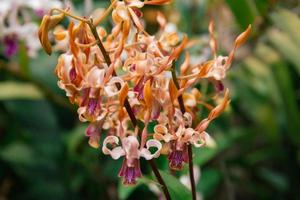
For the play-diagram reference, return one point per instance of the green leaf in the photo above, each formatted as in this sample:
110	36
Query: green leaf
209	181
203	155
18	154
261	81
263	6
289	49
275	179
289	99
287	22
42	68
125	191
74	138
177	190
243	10
19	90
37	116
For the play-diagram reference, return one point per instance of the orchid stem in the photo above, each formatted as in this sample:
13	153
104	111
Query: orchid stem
128	107
180	99
191	171
160	179
106	12
190	149
108	62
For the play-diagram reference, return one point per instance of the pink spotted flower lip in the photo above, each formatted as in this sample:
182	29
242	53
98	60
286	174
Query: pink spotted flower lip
131	151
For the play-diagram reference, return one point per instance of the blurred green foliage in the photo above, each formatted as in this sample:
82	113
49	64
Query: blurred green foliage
44	153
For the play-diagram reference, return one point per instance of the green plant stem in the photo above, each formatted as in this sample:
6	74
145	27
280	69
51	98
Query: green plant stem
190	149
159	179
128	108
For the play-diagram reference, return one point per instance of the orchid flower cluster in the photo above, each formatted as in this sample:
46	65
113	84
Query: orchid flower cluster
122	76
17	24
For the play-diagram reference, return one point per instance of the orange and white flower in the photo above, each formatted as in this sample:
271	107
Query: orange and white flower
132	152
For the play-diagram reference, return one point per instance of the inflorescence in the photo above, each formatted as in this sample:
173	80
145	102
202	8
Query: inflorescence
124	76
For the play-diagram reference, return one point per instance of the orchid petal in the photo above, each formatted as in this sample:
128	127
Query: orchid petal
213	42
147	154
188	119
196	140
111	88
120	13
180	131
161	133
189	99
203	125
123	93
136	20
148	94
157	2
131	147
94	136
172	91
241	39
134	3
220	108
116	152
209	141
43	34
81	111
161	19
94	141
188	133
94	78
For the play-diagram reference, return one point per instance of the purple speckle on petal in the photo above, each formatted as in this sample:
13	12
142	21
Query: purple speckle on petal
92	106
132	67
219	86
129	177
177	159
72	74
91	130
85	96
130	173
139	88
156	111
11	45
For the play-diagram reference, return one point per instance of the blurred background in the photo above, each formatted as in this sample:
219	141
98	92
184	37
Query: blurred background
43	150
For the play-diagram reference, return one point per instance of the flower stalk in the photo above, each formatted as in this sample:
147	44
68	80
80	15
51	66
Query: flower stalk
108	62
190	149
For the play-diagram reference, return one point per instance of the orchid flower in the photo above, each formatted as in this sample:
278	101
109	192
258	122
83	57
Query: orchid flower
127	11
180	134
14	30
221	64
178	139
130	149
